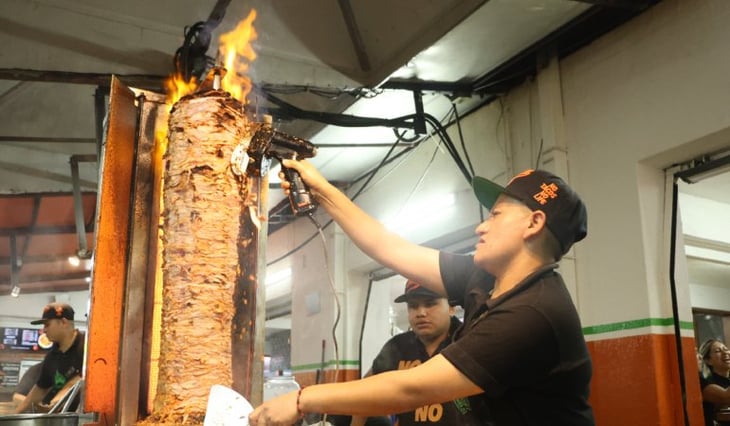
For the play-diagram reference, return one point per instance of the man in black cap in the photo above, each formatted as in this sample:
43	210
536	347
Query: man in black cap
521	349
63	364
432	323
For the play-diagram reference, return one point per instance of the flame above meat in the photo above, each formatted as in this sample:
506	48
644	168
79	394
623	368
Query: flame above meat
236	54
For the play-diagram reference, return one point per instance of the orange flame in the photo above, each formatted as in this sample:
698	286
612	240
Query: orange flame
177	87
238	53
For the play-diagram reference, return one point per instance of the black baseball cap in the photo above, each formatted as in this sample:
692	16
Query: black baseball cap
414	289
565	213
55	311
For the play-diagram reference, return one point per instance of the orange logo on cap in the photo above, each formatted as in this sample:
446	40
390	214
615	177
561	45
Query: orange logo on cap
59	311
548	191
523	174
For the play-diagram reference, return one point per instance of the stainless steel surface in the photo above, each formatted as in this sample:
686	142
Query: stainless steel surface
63	419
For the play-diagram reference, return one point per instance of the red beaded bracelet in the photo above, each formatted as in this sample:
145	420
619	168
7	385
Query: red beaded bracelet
299	410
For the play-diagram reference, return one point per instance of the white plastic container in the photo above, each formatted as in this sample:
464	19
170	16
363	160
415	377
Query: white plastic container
279	385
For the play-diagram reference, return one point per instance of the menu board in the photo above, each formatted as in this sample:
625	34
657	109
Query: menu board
11	373
23	339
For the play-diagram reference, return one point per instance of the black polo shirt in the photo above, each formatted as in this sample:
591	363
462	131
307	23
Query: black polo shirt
525	348
59	367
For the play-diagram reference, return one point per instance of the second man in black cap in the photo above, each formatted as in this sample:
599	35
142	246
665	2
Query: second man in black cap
432	324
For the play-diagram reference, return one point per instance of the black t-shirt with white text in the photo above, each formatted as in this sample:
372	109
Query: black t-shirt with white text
404	351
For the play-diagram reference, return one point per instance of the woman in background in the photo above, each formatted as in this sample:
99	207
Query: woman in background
714	380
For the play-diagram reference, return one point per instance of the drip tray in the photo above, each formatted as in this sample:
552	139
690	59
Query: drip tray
61	419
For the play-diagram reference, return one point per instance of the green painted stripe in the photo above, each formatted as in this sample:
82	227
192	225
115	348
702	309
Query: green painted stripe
633	324
330	363
595	329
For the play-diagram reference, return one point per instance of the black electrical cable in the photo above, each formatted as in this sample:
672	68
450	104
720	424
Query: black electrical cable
539	154
376	169
367	176
341	120
402	137
362	325
353	121
441	131
414	190
457	120
675	303
435	124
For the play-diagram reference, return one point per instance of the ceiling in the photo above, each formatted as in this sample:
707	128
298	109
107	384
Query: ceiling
316	60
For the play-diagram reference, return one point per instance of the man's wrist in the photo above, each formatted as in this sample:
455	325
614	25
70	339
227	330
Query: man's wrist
300	412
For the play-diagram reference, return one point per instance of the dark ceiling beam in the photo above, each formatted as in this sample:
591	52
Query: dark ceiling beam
43	174
457	89
47	194
355	36
33	221
43	230
623	4
45	139
29	260
31	279
142	81
48	287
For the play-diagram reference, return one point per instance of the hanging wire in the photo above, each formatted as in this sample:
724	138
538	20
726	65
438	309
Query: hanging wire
461	137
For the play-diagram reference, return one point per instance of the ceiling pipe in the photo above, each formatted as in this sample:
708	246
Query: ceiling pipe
83	251
45	139
14	267
100	112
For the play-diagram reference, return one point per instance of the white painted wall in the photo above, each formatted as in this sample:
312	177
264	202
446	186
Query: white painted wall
637	101
703	218
19	311
707	219
708	297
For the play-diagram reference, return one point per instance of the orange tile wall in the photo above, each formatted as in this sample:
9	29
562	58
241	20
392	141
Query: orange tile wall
636	381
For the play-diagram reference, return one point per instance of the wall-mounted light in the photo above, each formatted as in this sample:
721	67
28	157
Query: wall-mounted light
15	292
74	260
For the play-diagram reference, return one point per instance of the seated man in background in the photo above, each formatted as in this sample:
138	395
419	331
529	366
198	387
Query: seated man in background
432	325
26	383
63	364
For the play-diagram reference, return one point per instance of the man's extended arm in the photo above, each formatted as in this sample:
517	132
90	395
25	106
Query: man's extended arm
35	396
408	259
436	380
